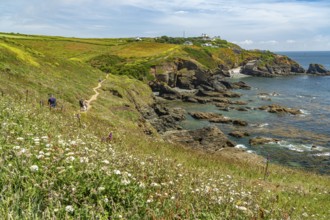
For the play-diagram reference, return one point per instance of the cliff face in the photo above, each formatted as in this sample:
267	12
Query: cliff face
190	74
280	66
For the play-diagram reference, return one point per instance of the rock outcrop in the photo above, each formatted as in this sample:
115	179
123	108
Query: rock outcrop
209	138
211	117
317	69
280	66
274	108
239	134
262	140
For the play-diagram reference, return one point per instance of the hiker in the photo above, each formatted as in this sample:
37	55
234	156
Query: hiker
52	101
109	136
83	104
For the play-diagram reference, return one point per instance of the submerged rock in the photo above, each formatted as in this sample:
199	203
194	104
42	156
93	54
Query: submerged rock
239	134
262	140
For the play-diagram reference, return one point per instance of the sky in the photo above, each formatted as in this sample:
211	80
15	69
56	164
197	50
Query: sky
275	25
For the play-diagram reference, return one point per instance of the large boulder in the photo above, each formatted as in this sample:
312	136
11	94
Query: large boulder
317	69
209	138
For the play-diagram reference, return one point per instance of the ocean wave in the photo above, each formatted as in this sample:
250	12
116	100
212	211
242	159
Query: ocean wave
261	125
326	154
299	147
304	112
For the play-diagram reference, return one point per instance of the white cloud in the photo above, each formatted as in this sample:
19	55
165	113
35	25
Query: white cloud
269	42
246	42
290	41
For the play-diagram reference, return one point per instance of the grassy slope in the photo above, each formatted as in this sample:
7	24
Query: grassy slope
157	180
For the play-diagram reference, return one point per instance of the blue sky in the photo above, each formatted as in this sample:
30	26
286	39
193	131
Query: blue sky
274	25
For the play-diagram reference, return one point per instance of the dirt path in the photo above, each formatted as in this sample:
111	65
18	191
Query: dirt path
94	97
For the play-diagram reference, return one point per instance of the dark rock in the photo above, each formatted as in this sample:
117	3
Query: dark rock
237	103
231	94
317	69
189	99
227	84
168	93
211	117
240	122
209	138
209	93
239	134
262	140
280	109
204	115
280	66
242	109
241	85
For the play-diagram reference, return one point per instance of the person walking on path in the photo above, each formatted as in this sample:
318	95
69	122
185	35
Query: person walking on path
83	105
52	101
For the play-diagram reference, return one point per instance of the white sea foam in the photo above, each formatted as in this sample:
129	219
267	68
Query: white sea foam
260	125
304	112
326	154
299	147
240	146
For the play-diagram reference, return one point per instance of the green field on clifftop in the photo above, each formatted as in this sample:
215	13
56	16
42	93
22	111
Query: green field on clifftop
54	164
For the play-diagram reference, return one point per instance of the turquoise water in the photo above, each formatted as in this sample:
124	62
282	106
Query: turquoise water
310	94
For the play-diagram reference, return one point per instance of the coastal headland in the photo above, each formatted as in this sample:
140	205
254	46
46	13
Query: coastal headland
60	162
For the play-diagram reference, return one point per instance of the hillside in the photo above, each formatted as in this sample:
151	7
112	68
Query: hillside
54	164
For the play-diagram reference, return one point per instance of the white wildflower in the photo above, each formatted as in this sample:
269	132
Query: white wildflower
242	208
48	145
17	147
142	163
70	159
105	162
150	200
44	137
69	208
154	184
173	197
305	214
34	168
125	181
106	200
84	160
100	189
117	172
20	139
142	185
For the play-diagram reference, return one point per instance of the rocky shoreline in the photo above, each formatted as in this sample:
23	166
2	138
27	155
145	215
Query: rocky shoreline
203	88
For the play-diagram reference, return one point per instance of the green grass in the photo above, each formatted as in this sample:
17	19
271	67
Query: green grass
135	176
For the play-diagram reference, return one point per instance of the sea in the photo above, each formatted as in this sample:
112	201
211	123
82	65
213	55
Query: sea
304	140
